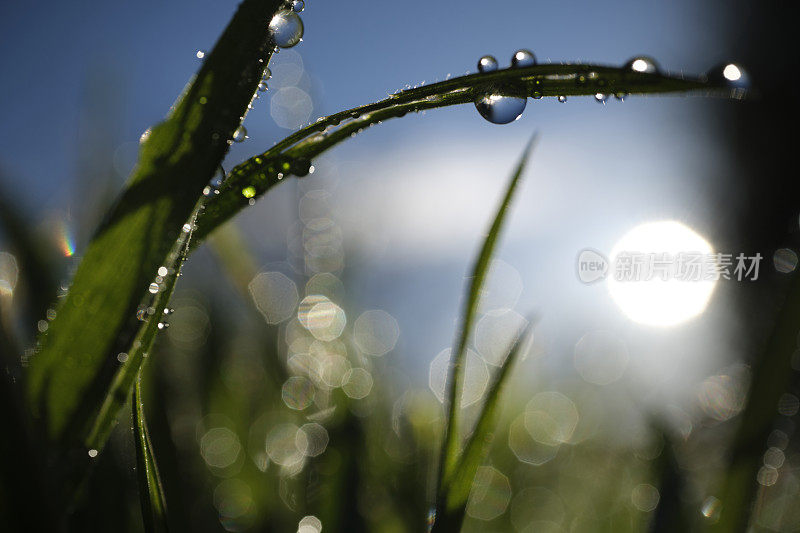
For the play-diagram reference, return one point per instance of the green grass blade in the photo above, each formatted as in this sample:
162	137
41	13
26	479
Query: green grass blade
73	381
453	496
151	493
450	445
256	175
151	315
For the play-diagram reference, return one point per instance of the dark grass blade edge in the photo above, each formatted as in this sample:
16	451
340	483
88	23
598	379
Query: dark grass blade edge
772	375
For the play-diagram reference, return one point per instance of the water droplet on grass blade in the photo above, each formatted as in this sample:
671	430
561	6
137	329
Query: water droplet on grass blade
487	64
601	98
523	58
730	75
286	28
500	109
562	98
643	64
298	6
240	134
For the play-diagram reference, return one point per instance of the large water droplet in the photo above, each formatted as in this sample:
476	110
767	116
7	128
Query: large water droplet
286	28
487	64
643	64
730	75
500	109
523	58
240	134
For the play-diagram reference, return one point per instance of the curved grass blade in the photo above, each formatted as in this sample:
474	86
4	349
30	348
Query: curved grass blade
74	380
255	176
455	381
151	493
452	498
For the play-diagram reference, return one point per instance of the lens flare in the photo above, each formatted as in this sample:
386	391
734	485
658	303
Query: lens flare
66	240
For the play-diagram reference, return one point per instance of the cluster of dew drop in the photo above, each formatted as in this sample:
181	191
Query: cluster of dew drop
286	29
500	108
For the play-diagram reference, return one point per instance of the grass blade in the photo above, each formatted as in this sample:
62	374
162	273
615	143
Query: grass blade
453	497
292	155
151	493
150	313
73	380
450	445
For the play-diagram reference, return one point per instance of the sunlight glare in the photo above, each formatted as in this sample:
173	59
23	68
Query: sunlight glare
656	301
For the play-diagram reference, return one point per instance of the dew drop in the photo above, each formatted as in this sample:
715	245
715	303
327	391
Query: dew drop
523	58
600	98
562	98
200	54
298	6
240	134
487	64
642	64
729	74
286	28
499	109
621	96
262	86
144	136
93	453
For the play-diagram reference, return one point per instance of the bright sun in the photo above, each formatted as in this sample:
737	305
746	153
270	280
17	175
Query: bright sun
656	301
